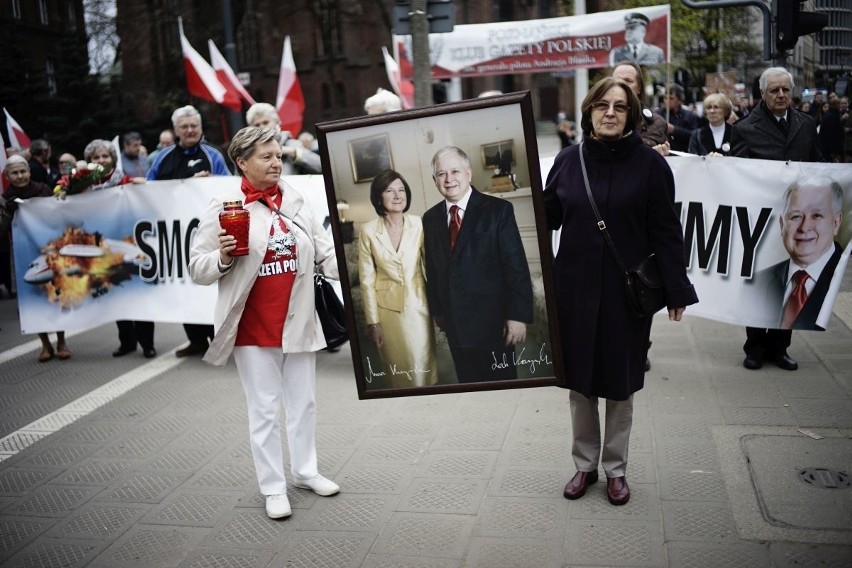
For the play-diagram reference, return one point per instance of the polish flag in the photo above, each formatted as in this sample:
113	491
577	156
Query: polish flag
228	78
201	79
290	101
4	181
116	145
403	89
17	137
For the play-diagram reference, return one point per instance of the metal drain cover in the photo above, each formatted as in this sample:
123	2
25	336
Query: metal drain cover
791	492
825	478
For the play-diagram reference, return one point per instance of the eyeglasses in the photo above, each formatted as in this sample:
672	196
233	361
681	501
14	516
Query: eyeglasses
602	106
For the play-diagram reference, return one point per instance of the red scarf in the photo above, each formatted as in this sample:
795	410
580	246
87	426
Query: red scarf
252	193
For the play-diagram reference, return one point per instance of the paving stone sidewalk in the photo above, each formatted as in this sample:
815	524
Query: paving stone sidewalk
162	475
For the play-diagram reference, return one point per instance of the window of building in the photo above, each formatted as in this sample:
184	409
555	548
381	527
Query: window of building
42	12
72	17
50	71
248	40
329	34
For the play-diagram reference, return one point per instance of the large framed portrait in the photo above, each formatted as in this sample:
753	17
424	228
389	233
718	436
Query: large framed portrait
447	281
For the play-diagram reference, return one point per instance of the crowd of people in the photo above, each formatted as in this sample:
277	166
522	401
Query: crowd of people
181	152
423	274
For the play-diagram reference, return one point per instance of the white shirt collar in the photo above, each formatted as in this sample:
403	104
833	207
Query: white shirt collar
462	203
814	269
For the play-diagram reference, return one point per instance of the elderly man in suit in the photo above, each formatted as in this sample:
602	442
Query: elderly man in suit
477	276
774	131
796	288
636	50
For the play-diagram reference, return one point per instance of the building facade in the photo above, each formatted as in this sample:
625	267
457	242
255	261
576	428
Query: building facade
36	37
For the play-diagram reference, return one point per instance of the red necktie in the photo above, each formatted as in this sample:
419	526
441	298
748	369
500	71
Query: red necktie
455	225
797	299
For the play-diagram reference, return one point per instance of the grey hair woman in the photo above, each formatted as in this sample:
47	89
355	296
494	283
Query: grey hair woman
265	312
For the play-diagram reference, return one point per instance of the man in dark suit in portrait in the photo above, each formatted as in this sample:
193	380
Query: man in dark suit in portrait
636	50
796	288
477	276
774	131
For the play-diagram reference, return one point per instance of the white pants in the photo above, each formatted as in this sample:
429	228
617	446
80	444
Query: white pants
585	422
270	378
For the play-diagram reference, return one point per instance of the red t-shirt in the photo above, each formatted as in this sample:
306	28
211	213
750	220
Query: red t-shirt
262	322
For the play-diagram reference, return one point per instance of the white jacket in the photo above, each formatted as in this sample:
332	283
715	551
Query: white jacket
302	329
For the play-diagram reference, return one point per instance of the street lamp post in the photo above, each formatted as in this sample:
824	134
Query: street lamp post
420	53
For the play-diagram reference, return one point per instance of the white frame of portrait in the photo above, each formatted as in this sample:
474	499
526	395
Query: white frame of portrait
415	135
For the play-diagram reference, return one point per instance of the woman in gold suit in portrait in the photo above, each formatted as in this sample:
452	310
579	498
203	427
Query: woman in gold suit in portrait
391	271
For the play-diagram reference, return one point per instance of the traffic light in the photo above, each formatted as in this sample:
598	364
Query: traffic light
791	23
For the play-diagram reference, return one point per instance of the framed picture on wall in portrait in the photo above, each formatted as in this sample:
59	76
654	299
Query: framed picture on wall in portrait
369	156
447	274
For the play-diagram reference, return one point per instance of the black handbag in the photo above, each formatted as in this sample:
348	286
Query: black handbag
643	284
331	312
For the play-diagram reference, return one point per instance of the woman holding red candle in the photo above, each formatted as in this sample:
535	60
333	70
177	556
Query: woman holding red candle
265	312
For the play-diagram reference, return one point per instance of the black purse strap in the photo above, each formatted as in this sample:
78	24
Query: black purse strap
601	225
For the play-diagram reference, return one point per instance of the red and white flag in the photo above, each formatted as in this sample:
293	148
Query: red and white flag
290	101
227	77
201	80
17	137
404	89
4	181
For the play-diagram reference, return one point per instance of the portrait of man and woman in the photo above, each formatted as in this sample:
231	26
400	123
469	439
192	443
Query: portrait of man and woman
441	280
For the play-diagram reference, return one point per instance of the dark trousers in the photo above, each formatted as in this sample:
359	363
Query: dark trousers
198	333
480	364
767	342
132	332
6	270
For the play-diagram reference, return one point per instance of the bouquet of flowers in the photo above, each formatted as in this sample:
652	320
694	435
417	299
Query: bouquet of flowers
80	179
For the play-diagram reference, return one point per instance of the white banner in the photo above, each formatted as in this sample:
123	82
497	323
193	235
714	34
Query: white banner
739	251
547	45
120	253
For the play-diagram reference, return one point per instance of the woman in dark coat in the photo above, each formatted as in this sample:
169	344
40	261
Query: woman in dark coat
604	344
713	139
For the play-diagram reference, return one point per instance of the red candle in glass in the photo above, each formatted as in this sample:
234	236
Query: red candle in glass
235	220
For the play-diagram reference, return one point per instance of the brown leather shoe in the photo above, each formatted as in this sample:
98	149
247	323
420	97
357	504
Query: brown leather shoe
617	490
576	488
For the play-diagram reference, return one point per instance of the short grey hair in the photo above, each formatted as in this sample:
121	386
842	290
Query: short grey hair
383	101
39	147
99	144
246	141
16	159
262	109
131	137
185	112
449	150
818	181
772	71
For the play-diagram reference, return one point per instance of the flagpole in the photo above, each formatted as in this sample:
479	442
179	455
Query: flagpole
235	119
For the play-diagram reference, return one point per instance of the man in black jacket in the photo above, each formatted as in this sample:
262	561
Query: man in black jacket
477	275
774	131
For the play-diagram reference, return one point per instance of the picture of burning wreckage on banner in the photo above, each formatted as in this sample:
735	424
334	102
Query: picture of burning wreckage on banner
78	265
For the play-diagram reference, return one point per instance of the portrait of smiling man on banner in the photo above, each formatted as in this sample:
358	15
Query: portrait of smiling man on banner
793	291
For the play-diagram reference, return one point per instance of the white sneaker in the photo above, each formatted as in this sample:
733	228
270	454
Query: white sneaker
319	485
277	507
